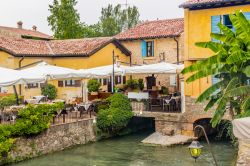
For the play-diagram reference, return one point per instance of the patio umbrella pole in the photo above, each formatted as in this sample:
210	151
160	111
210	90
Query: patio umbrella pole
16	95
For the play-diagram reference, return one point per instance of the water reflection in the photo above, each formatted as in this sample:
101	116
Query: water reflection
128	151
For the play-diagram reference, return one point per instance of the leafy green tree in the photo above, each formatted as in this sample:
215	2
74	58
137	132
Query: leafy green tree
50	91
230	63
65	20
114	20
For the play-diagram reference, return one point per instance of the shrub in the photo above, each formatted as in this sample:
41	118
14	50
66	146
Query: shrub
50	91
140	84
117	116
7	101
132	83
93	85
32	120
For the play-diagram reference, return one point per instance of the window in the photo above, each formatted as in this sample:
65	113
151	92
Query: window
172	80
124	80
118	80
32	85
105	81
147	48
150	49
73	83
227	21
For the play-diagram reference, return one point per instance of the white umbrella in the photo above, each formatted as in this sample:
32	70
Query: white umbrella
157	68
103	71
52	72
10	77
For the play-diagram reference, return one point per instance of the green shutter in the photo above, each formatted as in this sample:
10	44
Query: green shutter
144	49
215	20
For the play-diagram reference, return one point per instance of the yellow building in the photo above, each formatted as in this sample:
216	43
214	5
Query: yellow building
201	18
76	54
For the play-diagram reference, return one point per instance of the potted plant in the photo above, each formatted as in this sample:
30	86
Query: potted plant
93	86
140	84
131	84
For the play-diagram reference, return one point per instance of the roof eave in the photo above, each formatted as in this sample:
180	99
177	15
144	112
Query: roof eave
208	5
149	37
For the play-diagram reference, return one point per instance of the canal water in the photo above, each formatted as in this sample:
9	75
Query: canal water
128	151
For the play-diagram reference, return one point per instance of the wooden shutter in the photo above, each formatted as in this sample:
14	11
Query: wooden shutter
247	15
124	80
215	20
144	49
60	83
153	48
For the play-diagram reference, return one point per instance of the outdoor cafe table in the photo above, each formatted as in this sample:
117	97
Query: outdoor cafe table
85	105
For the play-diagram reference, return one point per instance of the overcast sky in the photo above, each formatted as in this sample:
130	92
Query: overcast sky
35	12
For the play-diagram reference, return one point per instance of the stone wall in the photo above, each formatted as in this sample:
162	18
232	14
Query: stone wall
56	138
244	153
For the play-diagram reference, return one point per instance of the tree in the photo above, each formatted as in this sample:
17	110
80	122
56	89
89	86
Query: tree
230	63
65	20
114	20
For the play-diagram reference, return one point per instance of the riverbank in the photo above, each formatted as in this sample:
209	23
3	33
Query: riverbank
56	138
129	151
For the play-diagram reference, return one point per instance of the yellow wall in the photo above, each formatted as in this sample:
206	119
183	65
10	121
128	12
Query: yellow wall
101	58
198	29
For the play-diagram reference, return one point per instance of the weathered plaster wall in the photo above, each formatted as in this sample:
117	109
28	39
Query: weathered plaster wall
56	138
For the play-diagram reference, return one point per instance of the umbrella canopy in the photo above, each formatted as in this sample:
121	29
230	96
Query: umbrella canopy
52	72
241	128
103	71
157	68
10	77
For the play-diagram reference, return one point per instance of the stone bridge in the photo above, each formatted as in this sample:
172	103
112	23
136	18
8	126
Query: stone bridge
176	123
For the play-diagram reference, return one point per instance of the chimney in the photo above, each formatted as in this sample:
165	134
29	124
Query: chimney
20	24
34	28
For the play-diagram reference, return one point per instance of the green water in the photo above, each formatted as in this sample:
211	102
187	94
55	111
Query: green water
128	151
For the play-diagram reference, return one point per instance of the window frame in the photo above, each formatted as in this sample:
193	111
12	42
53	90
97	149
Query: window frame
150	49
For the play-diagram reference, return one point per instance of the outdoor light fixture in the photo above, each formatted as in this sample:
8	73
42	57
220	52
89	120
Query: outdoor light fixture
195	149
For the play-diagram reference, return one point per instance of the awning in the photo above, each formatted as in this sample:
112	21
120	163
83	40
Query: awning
52	72
157	68
10	77
103	71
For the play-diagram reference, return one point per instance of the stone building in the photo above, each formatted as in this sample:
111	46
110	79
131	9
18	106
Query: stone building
156	41
20	32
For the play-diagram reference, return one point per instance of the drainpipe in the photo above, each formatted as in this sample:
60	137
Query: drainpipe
178	61
20	65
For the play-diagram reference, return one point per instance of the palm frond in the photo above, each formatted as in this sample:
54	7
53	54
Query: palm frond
239	91
214	46
210	104
246	103
207	93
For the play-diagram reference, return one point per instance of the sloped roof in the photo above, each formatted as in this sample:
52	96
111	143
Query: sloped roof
154	29
25	32
199	4
57	48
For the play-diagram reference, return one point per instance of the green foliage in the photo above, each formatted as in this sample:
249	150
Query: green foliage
132	83
117	116
65	20
7	101
140	84
230	63
50	91
32	120
93	85
114	19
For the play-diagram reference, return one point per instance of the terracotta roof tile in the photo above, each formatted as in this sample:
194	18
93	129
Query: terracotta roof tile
25	32
203	3
74	47
154	29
